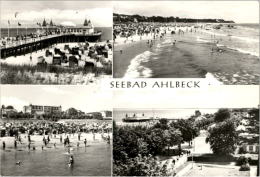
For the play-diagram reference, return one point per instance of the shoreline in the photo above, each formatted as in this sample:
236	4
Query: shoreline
227	66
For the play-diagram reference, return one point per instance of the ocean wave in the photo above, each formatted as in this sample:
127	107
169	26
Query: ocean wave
240	50
202	40
135	69
247	39
212	79
245	51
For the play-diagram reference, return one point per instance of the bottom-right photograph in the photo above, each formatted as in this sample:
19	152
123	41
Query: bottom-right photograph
186	142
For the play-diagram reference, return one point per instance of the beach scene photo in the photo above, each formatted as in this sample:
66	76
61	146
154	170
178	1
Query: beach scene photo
55	43
217	40
55	131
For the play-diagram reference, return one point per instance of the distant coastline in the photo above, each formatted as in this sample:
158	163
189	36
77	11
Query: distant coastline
119	18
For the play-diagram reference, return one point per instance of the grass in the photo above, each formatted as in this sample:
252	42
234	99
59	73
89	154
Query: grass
27	74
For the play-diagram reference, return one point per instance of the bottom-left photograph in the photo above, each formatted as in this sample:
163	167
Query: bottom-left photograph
55	131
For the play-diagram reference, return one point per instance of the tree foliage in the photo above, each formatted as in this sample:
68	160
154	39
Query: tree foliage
223	138
222	115
134	148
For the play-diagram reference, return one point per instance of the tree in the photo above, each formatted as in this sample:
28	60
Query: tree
9	107
155	140
140	166
187	128
162	124
222	115
72	112
223	138
172	137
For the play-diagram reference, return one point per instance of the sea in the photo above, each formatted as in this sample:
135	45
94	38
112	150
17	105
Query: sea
106	32
119	114
93	160
191	56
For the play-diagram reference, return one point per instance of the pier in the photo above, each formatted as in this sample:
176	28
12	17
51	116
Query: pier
36	44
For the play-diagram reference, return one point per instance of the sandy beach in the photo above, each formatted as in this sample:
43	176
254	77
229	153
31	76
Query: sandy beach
68	76
195	55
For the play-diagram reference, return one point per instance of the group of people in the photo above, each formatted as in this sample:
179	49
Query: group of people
42	127
51	132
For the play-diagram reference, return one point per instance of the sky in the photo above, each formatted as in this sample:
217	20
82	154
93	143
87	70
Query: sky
238	11
223	96
84	98
31	12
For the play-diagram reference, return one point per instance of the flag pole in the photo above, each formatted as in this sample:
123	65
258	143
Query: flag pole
17	28
8	29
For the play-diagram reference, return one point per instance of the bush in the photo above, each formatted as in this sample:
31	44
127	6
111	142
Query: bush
242	160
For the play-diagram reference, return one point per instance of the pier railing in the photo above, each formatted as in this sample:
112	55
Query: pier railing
22	47
14	43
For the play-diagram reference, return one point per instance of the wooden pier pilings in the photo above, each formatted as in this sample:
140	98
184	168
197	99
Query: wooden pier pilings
29	47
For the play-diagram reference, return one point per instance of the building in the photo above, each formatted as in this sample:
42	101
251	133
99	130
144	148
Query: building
39	109
106	115
86	28
250	148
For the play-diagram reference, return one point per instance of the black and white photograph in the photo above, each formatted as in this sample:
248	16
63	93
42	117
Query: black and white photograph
55	131
215	40
218	139
55	42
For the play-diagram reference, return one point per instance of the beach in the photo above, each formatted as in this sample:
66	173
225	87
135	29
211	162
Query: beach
67	75
198	53
52	159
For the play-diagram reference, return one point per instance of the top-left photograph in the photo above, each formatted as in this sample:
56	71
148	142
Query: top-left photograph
49	42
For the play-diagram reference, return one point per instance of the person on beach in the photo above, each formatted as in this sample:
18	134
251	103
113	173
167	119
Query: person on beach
108	139
54	145
29	146
15	144
29	138
60	139
45	142
48	138
79	136
42	148
85	142
3	145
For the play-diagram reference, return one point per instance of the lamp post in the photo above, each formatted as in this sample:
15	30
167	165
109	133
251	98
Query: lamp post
192	149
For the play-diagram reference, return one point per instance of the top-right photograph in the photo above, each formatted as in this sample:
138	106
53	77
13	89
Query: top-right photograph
215	40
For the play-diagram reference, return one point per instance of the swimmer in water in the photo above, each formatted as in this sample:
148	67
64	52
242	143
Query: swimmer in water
3	145
71	161
18	163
